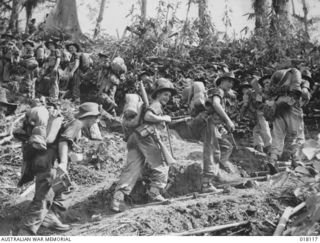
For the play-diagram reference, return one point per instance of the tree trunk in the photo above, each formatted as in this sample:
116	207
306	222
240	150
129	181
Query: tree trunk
143	10
261	14
14	18
205	26
28	18
281	20
64	19
305	18
100	18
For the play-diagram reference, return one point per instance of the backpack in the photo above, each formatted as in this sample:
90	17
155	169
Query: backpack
197	98
132	113
85	62
118	65
43	126
40	53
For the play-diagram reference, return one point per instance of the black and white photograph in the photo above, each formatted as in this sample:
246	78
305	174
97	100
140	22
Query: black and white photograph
159	118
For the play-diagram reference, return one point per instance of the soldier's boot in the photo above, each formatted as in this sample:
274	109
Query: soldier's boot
273	165
51	221
259	148
155	195
117	203
267	149
207	186
295	162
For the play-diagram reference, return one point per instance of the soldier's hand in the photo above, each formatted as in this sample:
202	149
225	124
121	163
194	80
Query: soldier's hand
166	118
231	126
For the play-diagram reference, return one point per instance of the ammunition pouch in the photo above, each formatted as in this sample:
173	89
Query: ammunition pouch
269	112
107	102
61	182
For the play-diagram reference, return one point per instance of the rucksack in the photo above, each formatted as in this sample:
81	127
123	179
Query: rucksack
85	62
43	125
40	53
132	112
118	65
197	98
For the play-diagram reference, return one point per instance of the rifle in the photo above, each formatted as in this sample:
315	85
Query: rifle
179	119
233	141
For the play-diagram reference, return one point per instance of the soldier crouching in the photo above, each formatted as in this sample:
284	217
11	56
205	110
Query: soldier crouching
143	147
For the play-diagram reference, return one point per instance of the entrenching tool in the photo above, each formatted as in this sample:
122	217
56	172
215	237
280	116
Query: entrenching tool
169	139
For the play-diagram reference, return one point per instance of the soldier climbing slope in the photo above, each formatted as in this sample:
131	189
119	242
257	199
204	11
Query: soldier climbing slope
292	92
73	71
30	63
216	148
110	80
51	66
9	55
143	147
252	100
48	164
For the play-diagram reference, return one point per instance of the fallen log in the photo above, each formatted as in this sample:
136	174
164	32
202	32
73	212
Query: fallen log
266	172
31	188
288	212
244	180
283	221
298	208
177	199
211	229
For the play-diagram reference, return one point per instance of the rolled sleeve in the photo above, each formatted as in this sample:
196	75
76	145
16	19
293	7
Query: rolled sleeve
71	132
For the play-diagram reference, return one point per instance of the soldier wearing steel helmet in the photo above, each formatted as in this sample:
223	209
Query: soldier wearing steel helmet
143	147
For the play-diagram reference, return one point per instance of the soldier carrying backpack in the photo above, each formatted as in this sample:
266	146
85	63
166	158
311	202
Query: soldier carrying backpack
290	91
49	166
145	146
110	81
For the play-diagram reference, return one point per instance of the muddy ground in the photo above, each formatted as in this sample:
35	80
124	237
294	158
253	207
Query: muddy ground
89	214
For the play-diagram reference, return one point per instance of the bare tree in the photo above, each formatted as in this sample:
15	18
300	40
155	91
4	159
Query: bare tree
64	18
100	18
261	14
281	19
205	26
143	9
29	6
303	19
14	18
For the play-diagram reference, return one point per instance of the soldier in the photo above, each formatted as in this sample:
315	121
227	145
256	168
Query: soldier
292	91
6	108
9	54
262	129
109	84
52	181
251	108
143	147
72	68
51	68
30	63
216	148
32	28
